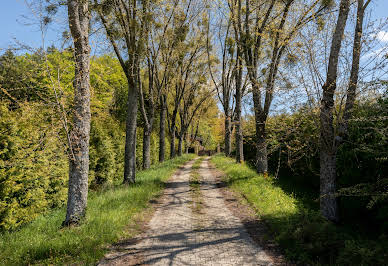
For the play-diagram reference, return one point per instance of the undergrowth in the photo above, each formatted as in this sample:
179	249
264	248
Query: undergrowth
304	235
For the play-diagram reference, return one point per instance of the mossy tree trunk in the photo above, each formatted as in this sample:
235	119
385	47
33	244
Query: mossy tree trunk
239	95
328	142
130	138
162	129
79	18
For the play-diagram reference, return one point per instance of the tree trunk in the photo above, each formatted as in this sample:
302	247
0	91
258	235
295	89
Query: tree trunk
187	145
228	135
261	143
172	144
328	200
162	130
147	148
130	140
187	141
261	149
328	143
352	87
180	146
239	129
79	139
239	139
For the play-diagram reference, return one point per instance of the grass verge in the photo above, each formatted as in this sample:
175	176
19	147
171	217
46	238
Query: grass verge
108	215
304	235
195	186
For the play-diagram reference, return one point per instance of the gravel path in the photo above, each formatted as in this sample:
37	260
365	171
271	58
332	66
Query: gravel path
181	232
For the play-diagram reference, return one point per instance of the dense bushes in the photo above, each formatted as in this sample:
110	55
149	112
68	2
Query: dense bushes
107	140
33	146
362	167
33	165
362	160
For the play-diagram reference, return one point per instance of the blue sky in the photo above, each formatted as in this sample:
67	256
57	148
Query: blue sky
14	14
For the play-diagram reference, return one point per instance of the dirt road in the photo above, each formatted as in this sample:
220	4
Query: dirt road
192	226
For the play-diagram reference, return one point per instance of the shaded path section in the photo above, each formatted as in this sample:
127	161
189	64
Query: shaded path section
181	235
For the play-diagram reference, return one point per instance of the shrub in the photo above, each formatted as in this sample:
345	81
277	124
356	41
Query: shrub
33	165
106	150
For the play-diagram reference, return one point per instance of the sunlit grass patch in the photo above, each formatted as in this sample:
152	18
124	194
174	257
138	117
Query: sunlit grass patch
197	164
109	212
270	201
195	178
196	195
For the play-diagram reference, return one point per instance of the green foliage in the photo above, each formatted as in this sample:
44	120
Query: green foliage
109	213
33	165
106	151
22	76
33	159
361	160
304	235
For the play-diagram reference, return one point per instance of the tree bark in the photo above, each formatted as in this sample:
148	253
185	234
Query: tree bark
187	141
328	145
148	120
172	129
172	144
328	200
130	139
357	45
147	148
228	135
180	146
239	132
162	130
79	17
239	129
261	143
261	149
134	36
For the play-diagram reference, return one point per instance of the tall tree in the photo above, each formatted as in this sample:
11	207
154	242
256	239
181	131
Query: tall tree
125	23
188	57
267	25
328	203
331	138
160	48
185	69
238	75
162	127
224	84
147	108
79	18
193	102
354	73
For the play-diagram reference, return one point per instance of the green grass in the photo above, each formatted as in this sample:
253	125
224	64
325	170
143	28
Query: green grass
197	164
196	195
195	178
109	215
304	235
